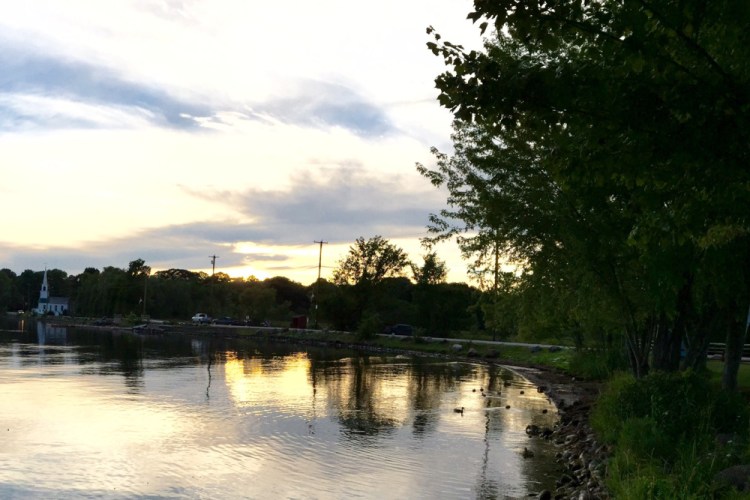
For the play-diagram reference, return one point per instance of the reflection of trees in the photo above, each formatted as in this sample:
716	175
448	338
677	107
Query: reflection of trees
358	388
357	406
487	488
426	384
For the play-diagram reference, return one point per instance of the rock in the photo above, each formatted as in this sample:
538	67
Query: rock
564	479
545	495
472	353
492	354
554	348
737	476
457	347
535	349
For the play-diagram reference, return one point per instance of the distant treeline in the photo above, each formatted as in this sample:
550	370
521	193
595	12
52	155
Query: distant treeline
177	294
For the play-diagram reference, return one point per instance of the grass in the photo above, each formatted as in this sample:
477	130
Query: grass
523	356
716	368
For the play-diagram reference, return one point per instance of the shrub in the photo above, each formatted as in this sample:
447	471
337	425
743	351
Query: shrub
370	326
664	428
598	364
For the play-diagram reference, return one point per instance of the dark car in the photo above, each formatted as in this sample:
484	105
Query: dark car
227	320
400	329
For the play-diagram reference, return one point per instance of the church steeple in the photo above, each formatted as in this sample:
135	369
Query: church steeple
44	292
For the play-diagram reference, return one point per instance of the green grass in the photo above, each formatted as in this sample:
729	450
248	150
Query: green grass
560	360
716	368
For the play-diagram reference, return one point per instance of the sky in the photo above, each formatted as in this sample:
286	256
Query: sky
176	130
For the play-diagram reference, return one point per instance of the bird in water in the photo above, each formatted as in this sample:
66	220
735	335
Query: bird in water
459	410
527	453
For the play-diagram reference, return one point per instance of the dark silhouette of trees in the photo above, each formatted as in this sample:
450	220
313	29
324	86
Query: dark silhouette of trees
602	148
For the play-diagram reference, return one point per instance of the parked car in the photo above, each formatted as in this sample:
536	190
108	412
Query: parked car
227	320
400	329
201	318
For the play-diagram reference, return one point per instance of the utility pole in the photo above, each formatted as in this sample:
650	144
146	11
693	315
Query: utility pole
317	283
213	270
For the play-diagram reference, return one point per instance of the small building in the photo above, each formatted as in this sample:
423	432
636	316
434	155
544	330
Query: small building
57	306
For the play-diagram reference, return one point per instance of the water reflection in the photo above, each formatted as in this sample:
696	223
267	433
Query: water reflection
173	416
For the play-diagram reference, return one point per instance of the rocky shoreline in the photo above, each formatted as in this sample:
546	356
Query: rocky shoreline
584	460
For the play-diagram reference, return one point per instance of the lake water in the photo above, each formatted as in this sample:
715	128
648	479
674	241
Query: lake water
97	414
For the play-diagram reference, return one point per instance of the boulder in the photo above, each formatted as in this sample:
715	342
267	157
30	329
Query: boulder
737	476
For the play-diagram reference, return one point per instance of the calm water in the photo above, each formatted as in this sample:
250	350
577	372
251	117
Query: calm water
117	415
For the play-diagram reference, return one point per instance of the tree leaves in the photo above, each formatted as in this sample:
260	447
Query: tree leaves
607	137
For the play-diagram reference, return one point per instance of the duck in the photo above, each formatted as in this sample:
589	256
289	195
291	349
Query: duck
459	410
527	453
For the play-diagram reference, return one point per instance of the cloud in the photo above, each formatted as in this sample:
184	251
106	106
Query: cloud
336	203
47	92
316	103
40	91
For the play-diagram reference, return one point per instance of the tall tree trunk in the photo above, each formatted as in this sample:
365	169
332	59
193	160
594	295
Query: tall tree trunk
733	353
667	340
638	351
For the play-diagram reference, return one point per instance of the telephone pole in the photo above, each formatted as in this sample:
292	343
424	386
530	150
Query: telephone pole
213	270
317	283
213	263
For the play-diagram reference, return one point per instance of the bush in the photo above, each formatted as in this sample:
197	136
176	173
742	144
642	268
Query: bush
598	364
370	326
664	429
680	404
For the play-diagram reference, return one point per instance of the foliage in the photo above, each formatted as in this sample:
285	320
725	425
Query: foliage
177	294
598	363
431	272
604	145
369	262
664	429
676	404
6	287
370	326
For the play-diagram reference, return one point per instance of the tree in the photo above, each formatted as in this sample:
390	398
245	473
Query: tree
257	301
369	262
6	292
291	292
605	144
432	271
366	266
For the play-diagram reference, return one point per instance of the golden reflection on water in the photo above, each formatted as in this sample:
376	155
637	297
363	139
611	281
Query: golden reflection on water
266	425
255	380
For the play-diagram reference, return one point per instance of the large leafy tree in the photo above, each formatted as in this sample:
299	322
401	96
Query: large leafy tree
363	271
370	261
605	144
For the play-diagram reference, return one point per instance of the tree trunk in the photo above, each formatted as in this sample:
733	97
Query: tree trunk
733	354
637	355
667	341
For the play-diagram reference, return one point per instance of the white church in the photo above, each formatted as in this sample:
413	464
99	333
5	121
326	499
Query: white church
51	305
